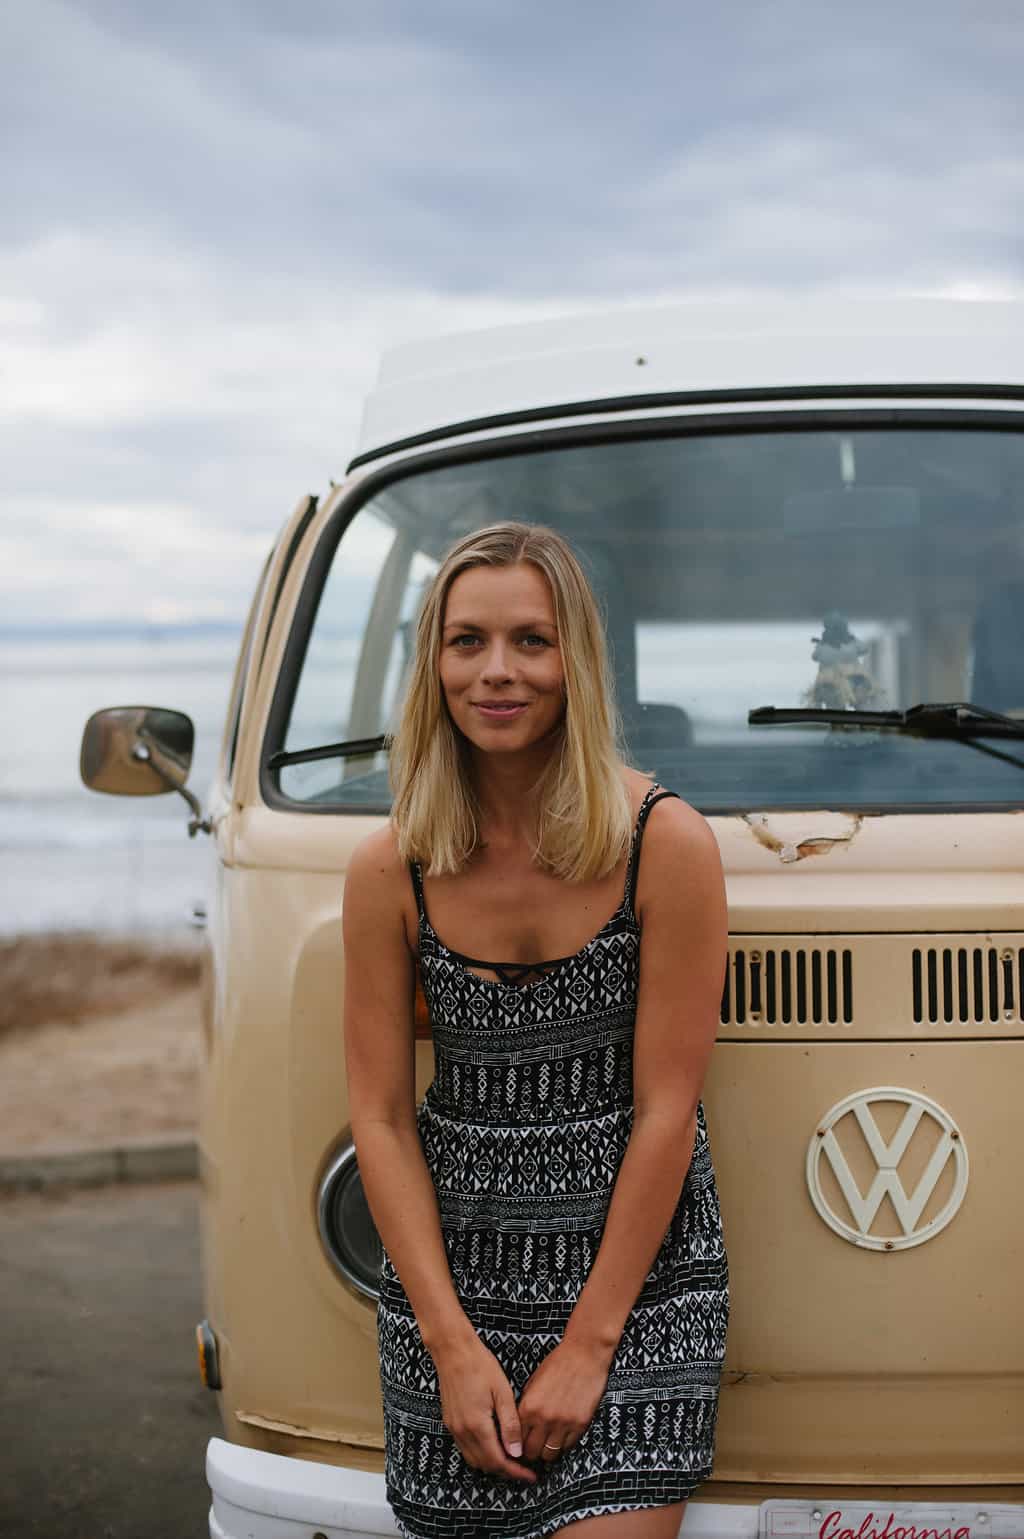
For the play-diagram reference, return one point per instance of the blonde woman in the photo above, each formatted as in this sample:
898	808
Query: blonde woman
554	1287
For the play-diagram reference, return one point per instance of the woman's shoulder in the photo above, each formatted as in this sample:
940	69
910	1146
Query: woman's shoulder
378	897
681	829
375	864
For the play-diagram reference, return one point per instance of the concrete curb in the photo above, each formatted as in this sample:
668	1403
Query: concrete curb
166	1159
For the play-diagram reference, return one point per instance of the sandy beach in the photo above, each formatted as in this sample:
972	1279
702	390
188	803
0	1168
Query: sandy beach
99	1040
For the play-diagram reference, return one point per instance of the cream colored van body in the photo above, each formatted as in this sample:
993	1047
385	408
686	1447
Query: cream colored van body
875	1362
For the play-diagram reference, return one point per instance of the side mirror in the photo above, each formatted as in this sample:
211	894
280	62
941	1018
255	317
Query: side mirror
140	750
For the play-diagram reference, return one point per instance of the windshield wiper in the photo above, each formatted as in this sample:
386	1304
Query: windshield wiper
355	748
939	719
959	721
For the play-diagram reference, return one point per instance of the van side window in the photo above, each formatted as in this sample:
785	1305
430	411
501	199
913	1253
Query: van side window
357	656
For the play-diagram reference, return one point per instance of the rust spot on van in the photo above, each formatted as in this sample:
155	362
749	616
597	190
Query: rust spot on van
352	1437
820	844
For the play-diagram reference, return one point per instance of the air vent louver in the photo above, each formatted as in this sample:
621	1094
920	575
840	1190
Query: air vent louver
788	985
966	984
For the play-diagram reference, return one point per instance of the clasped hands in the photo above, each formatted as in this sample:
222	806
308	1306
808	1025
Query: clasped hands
555	1408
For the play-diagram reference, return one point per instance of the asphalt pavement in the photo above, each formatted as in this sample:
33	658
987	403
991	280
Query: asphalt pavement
104	1419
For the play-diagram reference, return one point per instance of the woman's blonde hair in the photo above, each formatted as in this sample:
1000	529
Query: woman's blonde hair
585	816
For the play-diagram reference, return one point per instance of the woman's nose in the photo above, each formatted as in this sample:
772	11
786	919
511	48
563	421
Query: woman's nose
496	664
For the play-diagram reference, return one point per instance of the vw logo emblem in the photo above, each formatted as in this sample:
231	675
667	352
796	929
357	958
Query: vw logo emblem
830	1143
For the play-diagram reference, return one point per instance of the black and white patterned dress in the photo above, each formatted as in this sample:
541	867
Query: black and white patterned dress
523	1129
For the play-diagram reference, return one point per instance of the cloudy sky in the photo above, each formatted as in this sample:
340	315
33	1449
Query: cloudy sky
217	214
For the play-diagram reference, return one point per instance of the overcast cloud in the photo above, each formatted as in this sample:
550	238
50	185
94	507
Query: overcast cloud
217	215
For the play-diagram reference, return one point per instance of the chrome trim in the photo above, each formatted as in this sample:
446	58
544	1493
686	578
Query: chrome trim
339	1170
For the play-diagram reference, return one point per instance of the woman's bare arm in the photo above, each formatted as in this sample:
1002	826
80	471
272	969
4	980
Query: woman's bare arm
477	1402
380	1064
682	970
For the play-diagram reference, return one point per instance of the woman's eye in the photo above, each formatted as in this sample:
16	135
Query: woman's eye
531	641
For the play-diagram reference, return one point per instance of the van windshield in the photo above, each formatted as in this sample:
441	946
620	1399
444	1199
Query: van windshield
860	567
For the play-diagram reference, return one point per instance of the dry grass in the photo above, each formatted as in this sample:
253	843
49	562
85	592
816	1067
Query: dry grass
69	977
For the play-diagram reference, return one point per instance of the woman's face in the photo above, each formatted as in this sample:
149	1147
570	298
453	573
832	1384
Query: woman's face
501	662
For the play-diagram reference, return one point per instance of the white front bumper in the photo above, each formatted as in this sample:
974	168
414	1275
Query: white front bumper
267	1496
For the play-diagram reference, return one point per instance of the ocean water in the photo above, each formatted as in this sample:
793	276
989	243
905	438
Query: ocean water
74	858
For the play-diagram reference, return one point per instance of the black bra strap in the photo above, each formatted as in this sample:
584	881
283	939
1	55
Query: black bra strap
509	972
638	834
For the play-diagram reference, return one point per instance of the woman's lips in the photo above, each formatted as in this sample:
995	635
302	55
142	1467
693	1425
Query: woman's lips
499	712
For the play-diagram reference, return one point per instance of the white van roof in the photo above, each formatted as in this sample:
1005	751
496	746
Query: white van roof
472	380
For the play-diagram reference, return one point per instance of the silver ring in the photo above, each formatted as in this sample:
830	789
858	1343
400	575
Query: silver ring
556	1446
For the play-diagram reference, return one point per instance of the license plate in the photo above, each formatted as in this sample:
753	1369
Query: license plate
822	1519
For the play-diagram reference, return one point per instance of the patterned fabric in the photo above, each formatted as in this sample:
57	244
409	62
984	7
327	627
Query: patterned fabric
523	1129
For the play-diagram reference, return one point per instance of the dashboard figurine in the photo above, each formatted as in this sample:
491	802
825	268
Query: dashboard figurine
843	682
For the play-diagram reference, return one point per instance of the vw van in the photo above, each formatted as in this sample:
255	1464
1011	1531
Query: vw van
805	522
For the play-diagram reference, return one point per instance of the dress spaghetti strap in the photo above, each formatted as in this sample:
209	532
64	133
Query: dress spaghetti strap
417	886
632	870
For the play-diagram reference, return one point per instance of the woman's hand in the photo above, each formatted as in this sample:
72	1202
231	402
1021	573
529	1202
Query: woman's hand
560	1397
475	1390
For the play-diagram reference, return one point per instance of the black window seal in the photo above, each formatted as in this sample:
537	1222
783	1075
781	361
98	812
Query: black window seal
248	638
248	667
667	398
562	436
298	534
